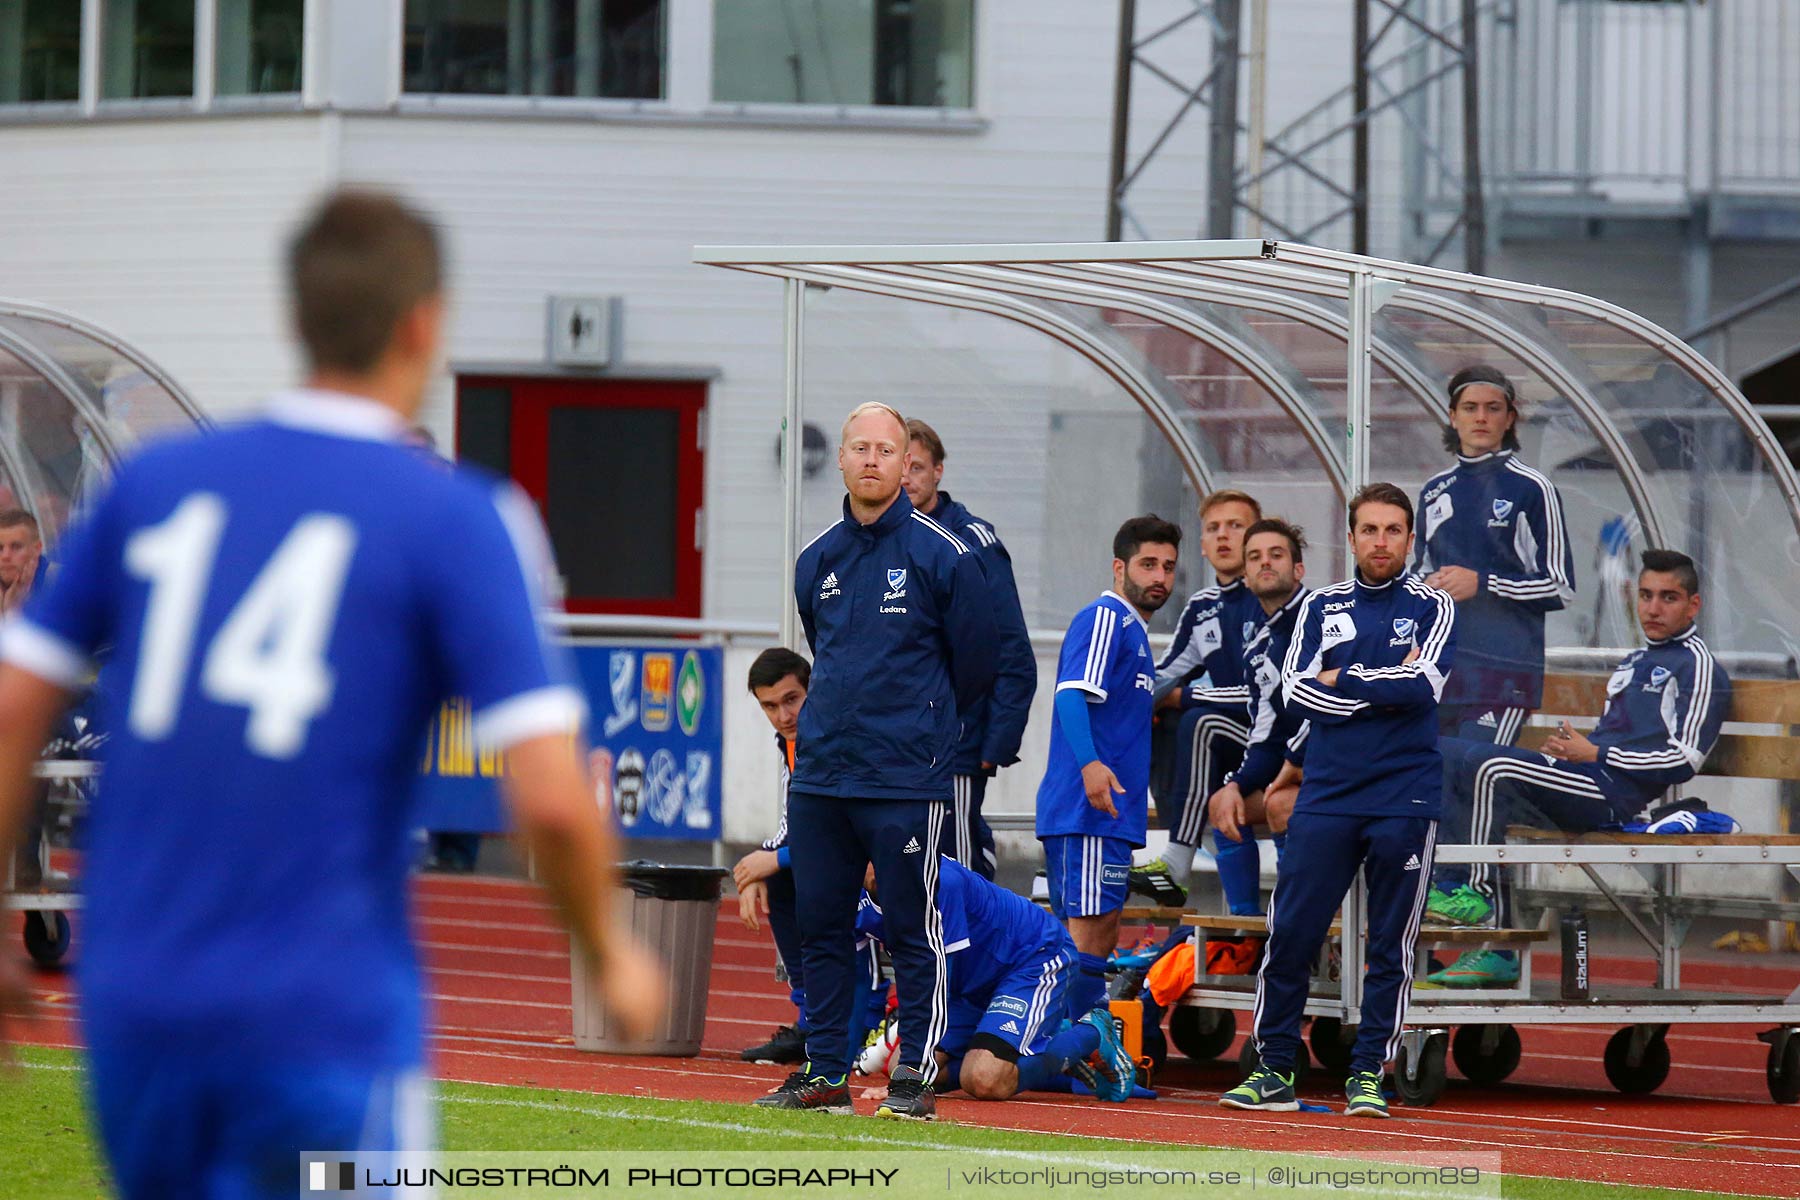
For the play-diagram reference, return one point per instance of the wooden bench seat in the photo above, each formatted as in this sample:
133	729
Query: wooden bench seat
1527	833
1431	934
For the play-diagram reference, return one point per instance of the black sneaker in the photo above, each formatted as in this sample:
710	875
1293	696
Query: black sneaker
809	1093
787	1046
1154	880
909	1097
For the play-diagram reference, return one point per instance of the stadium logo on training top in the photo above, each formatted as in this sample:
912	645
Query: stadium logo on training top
1658	677
1403	627
1249	630
656	694
1502	509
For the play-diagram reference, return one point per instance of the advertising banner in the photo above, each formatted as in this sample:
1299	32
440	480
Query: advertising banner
656	729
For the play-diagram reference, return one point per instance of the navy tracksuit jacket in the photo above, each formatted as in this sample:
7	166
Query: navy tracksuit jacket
994	725
1272	726
1206	661
901	625
1497	516
1369	799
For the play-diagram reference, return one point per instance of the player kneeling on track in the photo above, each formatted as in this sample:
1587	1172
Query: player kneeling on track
1010	965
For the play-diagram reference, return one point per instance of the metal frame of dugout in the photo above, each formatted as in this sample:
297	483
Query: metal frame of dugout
1574	349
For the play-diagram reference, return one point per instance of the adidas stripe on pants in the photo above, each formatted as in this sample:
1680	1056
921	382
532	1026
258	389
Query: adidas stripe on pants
830	841
1487	788
1323	854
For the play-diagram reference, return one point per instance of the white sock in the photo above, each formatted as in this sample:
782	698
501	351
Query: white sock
1181	861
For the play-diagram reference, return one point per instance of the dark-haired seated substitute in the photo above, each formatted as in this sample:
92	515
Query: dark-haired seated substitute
1664	706
765	882
1010	966
1273	568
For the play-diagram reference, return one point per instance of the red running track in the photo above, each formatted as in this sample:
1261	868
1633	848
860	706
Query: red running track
499	987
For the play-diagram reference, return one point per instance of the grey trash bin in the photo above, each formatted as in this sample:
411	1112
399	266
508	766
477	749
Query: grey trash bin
673	911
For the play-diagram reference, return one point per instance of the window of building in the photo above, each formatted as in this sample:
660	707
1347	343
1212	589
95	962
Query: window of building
146	49
616	469
600	48
259	47
910	53
40	51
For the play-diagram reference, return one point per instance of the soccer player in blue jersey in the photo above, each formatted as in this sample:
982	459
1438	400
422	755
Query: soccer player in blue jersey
278	609
1492	535
1665	704
1200	686
1010	966
1365	668
1094	801
995	724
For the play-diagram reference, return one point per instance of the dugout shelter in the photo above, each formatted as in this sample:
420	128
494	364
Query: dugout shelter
74	398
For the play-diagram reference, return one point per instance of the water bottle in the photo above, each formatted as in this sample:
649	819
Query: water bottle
1575	955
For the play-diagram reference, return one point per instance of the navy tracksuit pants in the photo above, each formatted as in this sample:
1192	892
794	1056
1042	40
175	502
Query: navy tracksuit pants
784	923
830	841
1323	854
1209	744
967	837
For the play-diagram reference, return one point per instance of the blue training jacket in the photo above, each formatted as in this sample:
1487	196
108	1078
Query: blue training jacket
994	725
902	631
1497	516
1664	706
1215	626
1373	746
1272	726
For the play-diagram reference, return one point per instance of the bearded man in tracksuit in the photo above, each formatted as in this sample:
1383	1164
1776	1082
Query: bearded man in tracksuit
897	612
993	726
1365	668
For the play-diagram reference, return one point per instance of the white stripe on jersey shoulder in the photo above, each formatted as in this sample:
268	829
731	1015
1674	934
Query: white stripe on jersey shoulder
338	414
530	543
1333	589
1203	595
961	547
1124	605
1420	588
558	709
821	534
36	650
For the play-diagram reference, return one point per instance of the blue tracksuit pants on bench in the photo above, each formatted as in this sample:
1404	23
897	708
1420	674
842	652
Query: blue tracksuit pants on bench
1323	855
830	841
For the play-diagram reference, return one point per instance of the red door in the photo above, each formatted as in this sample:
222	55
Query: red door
616	467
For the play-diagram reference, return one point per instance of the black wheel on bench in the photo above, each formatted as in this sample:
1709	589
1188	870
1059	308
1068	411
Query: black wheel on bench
1486	1066
1784	1071
1248	1062
1329	1045
46	937
1650	1070
1202	1033
1427	1084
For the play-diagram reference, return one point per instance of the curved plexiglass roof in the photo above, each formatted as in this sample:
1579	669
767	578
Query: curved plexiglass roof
1300	373
73	399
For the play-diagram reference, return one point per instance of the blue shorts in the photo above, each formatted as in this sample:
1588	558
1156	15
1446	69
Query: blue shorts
1086	874
1024	1012
179	1119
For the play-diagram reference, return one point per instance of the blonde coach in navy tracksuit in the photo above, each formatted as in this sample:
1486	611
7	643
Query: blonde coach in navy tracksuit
898	614
1365	668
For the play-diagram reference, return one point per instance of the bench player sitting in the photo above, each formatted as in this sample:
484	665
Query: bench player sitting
1664	706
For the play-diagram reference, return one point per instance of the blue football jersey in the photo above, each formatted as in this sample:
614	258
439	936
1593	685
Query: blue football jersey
278	609
1106	654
